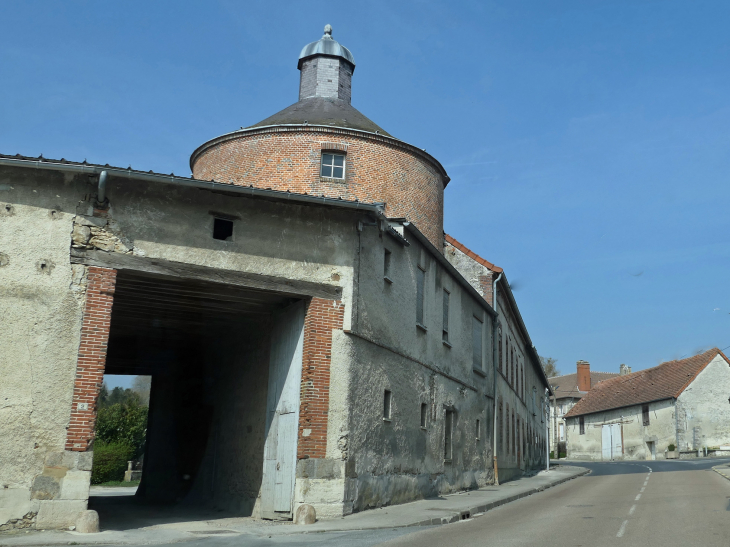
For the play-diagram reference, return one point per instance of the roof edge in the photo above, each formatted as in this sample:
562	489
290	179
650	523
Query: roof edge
323	129
190	182
471	254
570	414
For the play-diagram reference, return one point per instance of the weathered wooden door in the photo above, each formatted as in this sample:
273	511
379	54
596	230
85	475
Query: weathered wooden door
282	413
617	445
606	442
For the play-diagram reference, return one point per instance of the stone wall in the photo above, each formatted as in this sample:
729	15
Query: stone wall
41	302
635	435
703	409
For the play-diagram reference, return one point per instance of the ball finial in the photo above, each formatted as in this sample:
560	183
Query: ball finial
327	31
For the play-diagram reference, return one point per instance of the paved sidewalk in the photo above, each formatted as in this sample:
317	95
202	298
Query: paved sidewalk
429	512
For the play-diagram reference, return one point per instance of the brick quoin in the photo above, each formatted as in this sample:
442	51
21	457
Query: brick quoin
92	356
379	169
322	317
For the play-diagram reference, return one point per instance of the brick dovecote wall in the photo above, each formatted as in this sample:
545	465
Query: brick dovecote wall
91	357
322	317
378	169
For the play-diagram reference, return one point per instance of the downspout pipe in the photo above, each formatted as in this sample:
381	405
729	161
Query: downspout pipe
495	352
101	194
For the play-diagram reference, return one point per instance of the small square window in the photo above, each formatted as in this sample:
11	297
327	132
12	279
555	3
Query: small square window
222	229
333	166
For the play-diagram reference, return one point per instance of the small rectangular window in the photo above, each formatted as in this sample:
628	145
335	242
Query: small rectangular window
222	229
448	434
479	429
424	414
333	166
477	342
445	336
420	289
582	424
386	266
645	414
386	404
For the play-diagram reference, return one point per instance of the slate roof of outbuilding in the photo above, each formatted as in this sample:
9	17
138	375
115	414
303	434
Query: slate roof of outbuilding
567	384
666	381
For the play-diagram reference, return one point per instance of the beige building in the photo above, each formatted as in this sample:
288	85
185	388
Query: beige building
640	416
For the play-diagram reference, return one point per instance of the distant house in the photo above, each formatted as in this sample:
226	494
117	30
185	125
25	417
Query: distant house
568	389
638	416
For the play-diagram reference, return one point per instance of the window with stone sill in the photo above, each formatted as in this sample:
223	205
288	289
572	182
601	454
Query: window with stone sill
333	166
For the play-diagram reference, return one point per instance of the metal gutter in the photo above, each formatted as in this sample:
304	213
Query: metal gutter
130	174
449	267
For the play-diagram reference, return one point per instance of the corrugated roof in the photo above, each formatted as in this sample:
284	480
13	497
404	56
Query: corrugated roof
567	384
666	381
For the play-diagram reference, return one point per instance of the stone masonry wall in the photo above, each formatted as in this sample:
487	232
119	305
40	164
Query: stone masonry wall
377	170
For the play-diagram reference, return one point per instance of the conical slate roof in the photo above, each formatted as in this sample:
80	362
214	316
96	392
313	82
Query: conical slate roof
323	111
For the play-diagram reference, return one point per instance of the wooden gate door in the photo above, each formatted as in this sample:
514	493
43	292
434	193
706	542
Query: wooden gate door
282	413
617	446
606	442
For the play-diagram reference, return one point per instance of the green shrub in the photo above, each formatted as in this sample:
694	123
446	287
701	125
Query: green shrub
110	461
552	455
123	423
671	448
562	454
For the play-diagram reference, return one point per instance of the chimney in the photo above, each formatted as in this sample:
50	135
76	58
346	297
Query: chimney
584	375
623	370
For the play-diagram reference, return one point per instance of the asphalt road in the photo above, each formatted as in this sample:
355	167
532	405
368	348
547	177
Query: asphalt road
658	503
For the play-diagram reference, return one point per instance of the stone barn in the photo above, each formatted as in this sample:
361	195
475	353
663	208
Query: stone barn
640	416
310	334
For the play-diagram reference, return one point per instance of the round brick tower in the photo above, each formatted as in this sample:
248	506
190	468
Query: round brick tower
323	146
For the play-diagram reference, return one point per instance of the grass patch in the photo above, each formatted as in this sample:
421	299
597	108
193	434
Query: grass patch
118	483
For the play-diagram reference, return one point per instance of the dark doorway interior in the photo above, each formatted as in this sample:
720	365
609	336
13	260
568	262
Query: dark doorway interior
206	346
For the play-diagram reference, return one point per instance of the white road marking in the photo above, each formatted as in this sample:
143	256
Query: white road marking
642	489
645	482
638	497
633	508
622	529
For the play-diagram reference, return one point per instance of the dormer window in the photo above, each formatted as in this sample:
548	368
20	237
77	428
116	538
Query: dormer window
333	166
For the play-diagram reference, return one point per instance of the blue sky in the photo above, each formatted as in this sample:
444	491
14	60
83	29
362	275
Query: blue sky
587	141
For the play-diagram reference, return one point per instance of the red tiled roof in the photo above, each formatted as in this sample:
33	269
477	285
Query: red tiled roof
471	254
666	381
567	384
